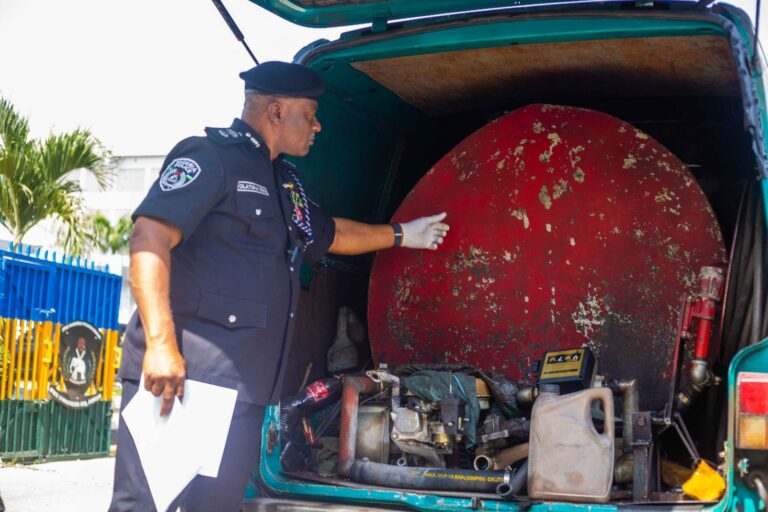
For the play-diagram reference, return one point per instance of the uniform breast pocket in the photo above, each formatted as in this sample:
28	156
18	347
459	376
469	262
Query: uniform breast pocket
259	212
232	312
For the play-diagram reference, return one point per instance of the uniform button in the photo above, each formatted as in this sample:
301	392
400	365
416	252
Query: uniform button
291	268
232	319
291	315
290	228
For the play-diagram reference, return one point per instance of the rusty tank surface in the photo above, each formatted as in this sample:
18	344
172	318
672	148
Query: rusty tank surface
568	227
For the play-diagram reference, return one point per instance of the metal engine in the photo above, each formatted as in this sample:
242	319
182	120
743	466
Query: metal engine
414	431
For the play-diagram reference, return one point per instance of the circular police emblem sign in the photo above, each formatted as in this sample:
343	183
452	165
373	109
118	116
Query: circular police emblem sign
80	346
179	173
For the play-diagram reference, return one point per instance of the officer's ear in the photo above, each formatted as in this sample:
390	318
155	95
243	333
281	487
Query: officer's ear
275	111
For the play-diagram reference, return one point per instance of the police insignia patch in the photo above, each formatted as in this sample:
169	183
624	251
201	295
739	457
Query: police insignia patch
179	173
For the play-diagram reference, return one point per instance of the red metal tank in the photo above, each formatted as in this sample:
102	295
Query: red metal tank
568	226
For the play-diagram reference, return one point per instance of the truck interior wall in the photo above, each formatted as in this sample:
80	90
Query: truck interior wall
316	317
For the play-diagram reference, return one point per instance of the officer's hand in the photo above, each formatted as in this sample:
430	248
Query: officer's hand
425	232
164	374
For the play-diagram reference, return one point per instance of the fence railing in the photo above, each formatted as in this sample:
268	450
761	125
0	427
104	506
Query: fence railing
59	340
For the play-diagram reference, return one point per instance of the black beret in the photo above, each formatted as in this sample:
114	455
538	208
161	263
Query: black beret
284	79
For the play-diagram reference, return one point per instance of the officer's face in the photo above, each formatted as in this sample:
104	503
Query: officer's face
298	125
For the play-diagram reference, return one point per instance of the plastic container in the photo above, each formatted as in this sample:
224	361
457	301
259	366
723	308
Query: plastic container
568	459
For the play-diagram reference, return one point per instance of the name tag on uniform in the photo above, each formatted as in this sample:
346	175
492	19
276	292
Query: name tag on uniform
249	186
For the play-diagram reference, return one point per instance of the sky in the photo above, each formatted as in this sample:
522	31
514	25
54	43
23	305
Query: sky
140	74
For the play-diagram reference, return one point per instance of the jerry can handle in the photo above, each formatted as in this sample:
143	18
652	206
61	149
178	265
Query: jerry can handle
606	397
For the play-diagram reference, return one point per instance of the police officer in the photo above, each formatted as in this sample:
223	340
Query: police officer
215	257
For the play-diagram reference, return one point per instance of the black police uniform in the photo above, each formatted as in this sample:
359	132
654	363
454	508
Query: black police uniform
246	225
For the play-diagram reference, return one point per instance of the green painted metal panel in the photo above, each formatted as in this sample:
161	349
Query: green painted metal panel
333	13
19	429
78	433
48	430
362	122
750	359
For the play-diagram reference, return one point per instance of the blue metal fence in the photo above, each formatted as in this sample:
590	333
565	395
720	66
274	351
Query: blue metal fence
44	300
37	287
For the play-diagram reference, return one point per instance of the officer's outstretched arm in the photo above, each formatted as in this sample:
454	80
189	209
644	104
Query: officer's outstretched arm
357	238
163	367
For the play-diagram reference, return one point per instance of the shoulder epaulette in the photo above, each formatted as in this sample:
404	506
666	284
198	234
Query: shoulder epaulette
225	136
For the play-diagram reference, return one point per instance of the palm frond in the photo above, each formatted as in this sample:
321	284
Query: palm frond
14	128
35	176
61	154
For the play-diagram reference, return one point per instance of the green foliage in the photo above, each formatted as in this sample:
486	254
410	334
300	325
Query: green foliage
112	238
35	175
98	234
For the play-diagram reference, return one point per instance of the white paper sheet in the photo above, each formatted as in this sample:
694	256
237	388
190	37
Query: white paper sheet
209	408
189	441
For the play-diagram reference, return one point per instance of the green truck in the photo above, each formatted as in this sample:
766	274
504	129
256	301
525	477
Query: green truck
404	94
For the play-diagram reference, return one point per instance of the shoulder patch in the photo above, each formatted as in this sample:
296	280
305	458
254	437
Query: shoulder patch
179	173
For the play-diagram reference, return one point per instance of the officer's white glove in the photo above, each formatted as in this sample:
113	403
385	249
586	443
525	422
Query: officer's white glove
424	232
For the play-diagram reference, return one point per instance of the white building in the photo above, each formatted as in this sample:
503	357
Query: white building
133	175
132	178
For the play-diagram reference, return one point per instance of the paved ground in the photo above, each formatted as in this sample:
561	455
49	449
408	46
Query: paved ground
69	486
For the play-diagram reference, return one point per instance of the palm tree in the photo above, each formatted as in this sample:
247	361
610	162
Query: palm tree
35	175
109	238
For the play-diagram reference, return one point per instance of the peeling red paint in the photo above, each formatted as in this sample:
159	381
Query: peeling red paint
568	226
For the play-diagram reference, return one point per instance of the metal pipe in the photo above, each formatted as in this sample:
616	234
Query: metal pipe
379	376
483	462
699	378
428	478
501	460
512	489
623	470
703	307
711	280
350	400
527	395
631	403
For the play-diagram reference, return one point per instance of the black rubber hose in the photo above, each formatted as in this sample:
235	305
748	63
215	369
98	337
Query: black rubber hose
731	284
435	479
511	490
757	304
744	317
740	308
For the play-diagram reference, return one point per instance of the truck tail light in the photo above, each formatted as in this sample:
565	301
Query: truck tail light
752	414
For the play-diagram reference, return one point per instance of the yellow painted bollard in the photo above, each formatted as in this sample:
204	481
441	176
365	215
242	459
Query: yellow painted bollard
30	386
5	368
55	374
117	356
45	363
24	378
